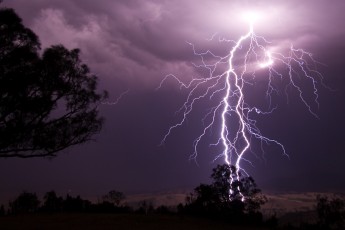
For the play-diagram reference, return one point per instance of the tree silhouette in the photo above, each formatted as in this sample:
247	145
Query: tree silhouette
48	102
26	202
331	212
75	204
114	197
242	189
145	207
237	200
52	203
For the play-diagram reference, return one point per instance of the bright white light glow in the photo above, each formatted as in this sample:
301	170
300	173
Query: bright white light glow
251	16
269	61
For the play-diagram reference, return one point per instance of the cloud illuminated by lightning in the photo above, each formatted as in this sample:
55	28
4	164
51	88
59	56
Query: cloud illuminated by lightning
227	82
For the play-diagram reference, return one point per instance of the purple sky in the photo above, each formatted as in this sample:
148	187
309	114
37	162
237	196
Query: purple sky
131	45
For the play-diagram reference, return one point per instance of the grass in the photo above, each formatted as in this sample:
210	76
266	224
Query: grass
111	221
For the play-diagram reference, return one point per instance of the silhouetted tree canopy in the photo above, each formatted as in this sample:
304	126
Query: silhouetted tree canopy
237	199
331	212
26	202
52	203
48	102
114	197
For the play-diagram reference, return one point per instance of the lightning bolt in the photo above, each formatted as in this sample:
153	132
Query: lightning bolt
117	99
227	80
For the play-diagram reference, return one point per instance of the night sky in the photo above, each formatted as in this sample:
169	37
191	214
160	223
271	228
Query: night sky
132	45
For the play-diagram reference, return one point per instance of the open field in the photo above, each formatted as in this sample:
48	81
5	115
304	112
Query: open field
111	221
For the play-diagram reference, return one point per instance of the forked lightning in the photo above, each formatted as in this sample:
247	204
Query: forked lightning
227	78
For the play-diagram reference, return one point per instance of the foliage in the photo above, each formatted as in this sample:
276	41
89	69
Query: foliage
76	204
331	212
145	207
236	200
25	203
52	203
48	102
114	197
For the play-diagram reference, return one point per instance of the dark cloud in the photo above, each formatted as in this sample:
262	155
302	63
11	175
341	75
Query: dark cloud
127	39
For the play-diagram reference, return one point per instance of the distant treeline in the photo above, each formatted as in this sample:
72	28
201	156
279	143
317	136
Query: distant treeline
237	203
28	202
330	210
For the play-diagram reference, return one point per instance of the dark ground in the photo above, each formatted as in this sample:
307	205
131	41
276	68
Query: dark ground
111	221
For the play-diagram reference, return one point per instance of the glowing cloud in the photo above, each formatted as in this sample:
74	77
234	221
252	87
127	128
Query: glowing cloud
268	62
251	16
